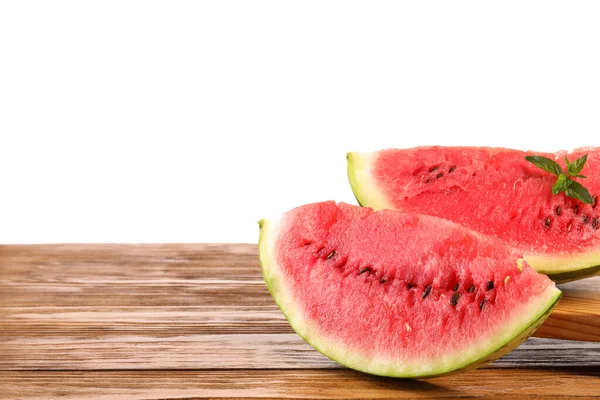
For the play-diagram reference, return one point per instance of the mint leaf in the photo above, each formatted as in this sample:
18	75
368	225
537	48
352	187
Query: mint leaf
561	184
576	166
564	181
546	164
577	191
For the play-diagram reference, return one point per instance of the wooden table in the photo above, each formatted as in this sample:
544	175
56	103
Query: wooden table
195	321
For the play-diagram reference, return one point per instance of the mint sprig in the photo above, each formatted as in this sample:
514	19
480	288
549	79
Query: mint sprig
564	181
576	166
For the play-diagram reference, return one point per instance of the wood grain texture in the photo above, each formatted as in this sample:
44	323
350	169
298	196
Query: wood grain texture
296	384
193	321
577	316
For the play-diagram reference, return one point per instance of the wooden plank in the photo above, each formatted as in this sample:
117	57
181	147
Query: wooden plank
577	316
139	351
297	384
80	263
158	321
131	275
103	279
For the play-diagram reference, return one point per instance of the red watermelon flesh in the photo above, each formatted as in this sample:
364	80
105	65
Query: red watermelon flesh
399	294
494	191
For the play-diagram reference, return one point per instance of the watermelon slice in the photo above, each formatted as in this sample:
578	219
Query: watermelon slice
494	191
398	294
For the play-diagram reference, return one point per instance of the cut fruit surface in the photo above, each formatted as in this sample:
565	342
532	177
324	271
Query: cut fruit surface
494	191
401	295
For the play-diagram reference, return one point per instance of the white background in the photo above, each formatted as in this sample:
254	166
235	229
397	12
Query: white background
189	121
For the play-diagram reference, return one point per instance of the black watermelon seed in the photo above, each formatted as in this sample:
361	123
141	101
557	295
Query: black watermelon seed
490	285
547	223
585	219
438	176
596	223
558	210
481	304
471	289
331	254
454	299
433	168
383	280
594	201
426	291
428	180
363	270
456	287
452	169
576	209
410	285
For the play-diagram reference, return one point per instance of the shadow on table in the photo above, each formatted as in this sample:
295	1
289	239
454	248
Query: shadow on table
386	383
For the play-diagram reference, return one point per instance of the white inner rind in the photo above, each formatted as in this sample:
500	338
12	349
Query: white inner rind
362	182
368	193
563	263
486	349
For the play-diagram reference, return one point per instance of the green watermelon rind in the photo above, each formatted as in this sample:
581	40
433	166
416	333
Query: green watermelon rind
509	338
559	267
365	190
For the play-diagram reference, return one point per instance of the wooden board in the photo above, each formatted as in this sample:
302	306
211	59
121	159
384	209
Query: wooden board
192	321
